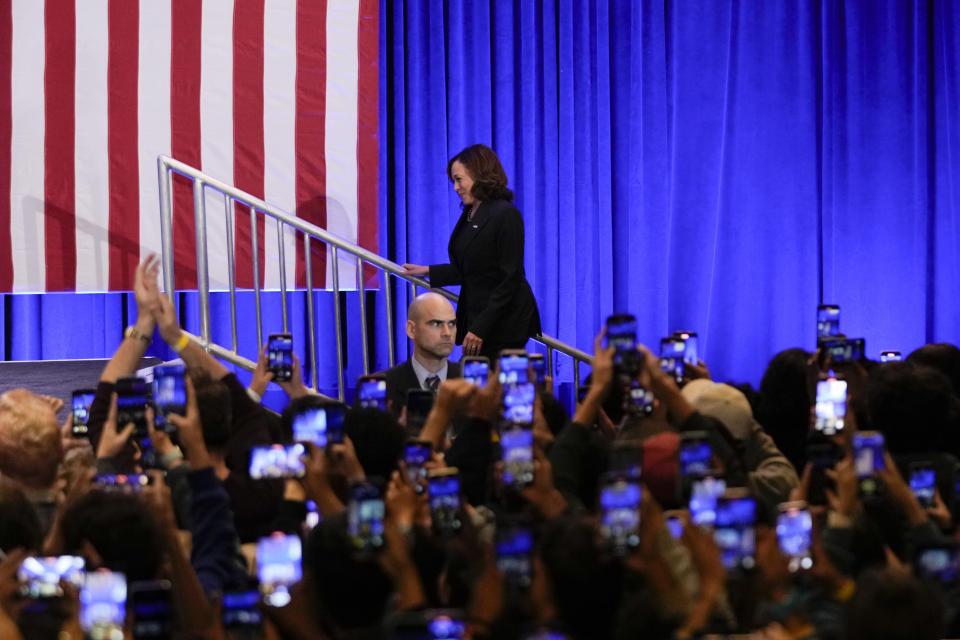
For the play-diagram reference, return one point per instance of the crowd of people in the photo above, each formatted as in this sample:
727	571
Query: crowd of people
613	527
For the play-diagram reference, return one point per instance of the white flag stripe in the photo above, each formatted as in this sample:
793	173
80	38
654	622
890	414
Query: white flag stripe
216	126
91	115
279	131
153	110
343	20
26	147
91	165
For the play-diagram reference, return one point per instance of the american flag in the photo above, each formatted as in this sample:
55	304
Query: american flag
278	97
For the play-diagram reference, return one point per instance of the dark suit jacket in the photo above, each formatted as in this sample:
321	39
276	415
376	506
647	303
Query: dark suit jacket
496	302
402	378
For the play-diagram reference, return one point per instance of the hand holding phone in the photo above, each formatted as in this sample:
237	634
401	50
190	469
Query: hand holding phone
867	460
516	447
280	356
103	601
622	336
620	514
279	559
831	406
169	394
372	393
319	425
365	514
794	534
444	491
475	370
80	405
39	577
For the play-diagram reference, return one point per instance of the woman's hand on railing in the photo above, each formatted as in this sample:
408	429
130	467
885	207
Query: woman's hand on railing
415	269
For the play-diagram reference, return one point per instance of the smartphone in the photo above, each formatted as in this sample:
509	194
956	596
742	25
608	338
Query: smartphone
279	566
319	425
518	400
822	454
121	483
622	336
151	606
419	404
80	404
736	515
940	563
444	491
132	405
475	370
103	604
704	493
372	392
695	453
39	576
672	350
828	321
430	624
416	455
890	356
794	534
240	611
169	394
690	355
674	519
280	356
516	447
365	514
923	483
620	514
539	366
638	400
514	366
868	459
514	547
277	461
842	349
831	406
625	458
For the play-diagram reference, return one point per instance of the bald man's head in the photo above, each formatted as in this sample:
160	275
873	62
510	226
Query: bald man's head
432	325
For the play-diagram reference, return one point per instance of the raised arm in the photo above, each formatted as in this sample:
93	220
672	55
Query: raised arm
140	334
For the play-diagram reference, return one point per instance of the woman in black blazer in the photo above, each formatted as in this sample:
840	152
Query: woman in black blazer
497	309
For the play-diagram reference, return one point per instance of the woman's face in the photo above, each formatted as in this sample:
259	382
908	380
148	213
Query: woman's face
462	182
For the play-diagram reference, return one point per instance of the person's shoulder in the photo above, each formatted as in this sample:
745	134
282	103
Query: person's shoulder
397	371
502	207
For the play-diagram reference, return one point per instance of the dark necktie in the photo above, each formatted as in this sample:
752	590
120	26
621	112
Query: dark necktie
432	383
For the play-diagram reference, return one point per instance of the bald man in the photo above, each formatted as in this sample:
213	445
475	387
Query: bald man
432	325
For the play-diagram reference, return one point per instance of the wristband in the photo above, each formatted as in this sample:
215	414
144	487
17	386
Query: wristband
254	395
131	332
181	343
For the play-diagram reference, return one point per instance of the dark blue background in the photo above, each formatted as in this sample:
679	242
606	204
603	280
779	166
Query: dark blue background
721	167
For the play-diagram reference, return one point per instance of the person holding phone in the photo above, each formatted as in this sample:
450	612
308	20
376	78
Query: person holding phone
431	325
497	309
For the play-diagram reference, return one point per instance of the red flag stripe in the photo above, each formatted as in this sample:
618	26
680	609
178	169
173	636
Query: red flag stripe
248	155
186	16
58	146
124	179
6	137
367	117
310	134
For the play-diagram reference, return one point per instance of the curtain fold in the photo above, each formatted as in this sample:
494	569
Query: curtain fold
720	167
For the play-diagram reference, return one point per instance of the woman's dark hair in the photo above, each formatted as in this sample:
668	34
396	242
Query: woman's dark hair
483	165
785	401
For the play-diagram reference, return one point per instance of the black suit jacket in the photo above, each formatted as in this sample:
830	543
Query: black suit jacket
402	378
496	302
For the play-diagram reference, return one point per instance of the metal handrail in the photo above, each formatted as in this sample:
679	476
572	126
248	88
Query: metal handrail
166	166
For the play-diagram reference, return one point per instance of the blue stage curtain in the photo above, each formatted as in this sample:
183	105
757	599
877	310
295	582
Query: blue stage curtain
720	167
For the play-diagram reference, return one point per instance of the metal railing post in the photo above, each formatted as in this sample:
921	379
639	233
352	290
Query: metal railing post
312	332
283	276
362	290
255	251
336	310
391	339
203	275
166	227
231	268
